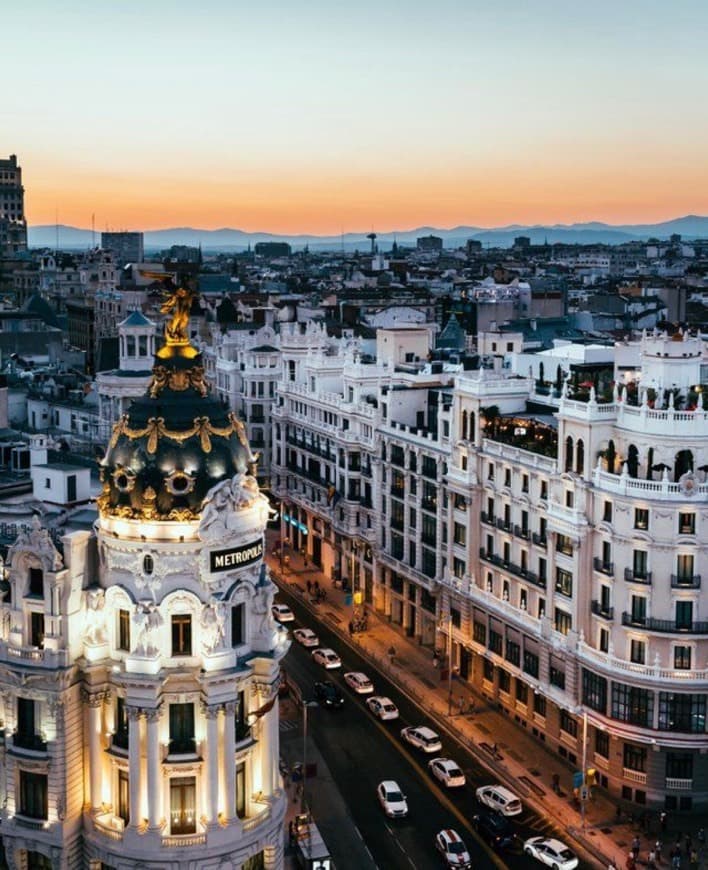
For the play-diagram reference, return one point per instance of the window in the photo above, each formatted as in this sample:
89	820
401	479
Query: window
604	641
522	692
38	861
544	490
241	789
490	471
33	795
684	614
429	530
124	630
37	629
182	635
429	467
679	711
488	670
607	511
641	518
237	624
564	545
524	483
513	652
530	663
183	809
242	730
602	743
568	724
639	609
413	518
679	765
479	632
36	583
149	562
120	736
563	621
569	498
182	729
455	616
637	652
26	735
495	641
635	758
507	477
557	676
397	515
504	681
564	582
639	563
539	705
682	657
687	524
460	534
459	567
429	562
684	568
633	705
124	796
594	691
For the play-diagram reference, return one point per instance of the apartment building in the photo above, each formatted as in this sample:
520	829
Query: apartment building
13	224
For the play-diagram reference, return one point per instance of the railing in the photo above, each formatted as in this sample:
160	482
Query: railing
609	663
519	455
522	532
600	610
634	577
487	518
679	581
539	540
109	826
32	824
676	783
634	776
640	488
604	567
32	742
671	626
184	841
504	525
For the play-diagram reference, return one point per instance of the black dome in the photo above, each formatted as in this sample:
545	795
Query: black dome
174	444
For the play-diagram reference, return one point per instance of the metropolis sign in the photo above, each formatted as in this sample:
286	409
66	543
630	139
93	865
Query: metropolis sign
235	557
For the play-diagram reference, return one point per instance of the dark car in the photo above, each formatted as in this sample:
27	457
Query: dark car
495	829
328	695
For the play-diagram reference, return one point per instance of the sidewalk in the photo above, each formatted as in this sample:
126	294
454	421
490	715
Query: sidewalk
524	763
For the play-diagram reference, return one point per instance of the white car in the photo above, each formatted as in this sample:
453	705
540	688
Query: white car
306	637
382	707
282	613
392	799
328	658
551	852
361	684
452	848
422	737
447	772
500	799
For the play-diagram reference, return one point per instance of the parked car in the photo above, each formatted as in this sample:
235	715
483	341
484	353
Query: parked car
499	799
382	707
392	799
329	695
452	848
447	772
326	657
359	682
282	613
422	738
551	852
494	828
306	637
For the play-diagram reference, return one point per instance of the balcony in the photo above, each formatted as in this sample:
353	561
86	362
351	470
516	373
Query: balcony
674	783
181	841
635	577
504	525
670	626
637	776
599	609
31	742
522	532
604	567
539	540
685	581
487	518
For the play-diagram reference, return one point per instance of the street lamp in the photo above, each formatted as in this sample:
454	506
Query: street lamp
584	787
305	705
449	661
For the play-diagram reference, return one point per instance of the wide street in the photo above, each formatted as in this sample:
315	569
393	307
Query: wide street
360	752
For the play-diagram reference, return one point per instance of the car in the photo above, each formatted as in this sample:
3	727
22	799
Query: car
326	657
361	684
452	848
329	695
382	707
282	613
551	852
306	637
392	799
494	828
447	772
499	799
422	738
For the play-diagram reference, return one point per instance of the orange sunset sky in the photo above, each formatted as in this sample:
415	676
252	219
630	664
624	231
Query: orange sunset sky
328	118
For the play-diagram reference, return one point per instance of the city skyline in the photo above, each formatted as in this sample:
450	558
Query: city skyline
338	119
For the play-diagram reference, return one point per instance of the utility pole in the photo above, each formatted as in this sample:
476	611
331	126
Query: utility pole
305	705
449	663
584	786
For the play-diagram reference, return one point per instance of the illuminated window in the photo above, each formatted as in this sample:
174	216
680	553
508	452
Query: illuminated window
182	635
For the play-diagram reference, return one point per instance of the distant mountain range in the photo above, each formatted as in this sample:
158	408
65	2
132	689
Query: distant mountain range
594	232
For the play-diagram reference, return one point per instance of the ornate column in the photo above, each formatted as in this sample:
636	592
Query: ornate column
153	769
95	727
229	765
212	714
134	714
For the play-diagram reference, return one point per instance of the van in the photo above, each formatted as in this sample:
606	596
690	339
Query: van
500	799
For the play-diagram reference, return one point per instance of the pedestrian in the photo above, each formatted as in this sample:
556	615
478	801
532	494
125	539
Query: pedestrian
651	859
461	704
351	628
612	865
689	845
676	862
693	859
657	848
556	783
392	653
662	822
701	836
291	833
309	587
436	660
630	863
471	708
636	845
495	751
317	587
618	813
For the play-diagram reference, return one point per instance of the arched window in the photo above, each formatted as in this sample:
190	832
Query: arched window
464	425
611	456
682	463
148	564
579	456
470	435
650	463
569	453
632	461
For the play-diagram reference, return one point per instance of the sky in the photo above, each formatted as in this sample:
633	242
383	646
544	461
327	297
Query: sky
329	117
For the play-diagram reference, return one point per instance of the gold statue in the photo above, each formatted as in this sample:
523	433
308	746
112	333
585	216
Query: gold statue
178	300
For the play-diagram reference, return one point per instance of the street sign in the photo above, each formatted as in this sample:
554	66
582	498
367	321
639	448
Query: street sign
358	598
584	791
577	779
348	600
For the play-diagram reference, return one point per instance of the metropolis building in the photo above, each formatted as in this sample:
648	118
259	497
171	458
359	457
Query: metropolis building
139	665
556	542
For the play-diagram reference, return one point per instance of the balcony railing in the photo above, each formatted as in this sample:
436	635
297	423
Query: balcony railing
637	776
675	783
539	540
599	609
671	626
521	532
604	567
637	577
503	524
487	518
685	581
32	742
